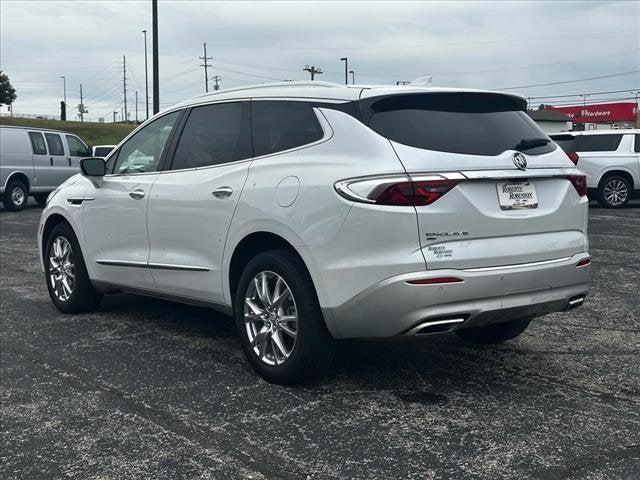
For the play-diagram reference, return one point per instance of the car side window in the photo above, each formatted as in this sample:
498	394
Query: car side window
37	143
54	142
598	143
143	151
637	143
77	147
282	125
213	135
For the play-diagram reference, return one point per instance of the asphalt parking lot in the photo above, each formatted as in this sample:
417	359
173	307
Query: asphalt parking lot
145	388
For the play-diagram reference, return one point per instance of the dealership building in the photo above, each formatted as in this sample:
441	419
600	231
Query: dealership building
598	116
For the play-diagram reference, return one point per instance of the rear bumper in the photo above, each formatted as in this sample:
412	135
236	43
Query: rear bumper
485	295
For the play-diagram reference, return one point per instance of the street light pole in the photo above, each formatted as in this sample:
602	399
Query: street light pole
146	75
64	88
346	70
156	65
353	77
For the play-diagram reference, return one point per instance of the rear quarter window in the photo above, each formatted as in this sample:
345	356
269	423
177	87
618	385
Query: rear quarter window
565	142
598	143
283	125
466	123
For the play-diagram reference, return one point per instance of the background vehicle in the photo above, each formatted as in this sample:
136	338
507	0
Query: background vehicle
611	160
314	211
102	150
35	161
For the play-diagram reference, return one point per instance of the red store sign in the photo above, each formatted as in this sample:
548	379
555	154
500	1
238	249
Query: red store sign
601	112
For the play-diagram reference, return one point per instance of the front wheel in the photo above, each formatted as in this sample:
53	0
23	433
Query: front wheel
15	196
66	274
495	333
279	321
614	191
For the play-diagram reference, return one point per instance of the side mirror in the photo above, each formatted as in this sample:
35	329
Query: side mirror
93	167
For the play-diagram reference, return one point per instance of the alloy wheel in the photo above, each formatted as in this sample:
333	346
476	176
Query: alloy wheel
271	318
61	269
616	192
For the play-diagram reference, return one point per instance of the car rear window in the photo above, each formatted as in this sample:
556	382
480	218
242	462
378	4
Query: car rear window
565	142
283	125
467	123
598	143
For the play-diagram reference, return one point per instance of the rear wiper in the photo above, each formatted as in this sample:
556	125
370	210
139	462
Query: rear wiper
531	142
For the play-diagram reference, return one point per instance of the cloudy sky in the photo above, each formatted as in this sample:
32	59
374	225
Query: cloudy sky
536	48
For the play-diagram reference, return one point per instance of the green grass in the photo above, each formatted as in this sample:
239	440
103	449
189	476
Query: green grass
92	133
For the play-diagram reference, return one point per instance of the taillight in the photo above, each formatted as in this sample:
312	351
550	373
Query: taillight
584	262
573	156
397	191
579	182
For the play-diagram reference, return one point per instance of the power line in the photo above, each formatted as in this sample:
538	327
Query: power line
592	93
489	42
313	70
571	81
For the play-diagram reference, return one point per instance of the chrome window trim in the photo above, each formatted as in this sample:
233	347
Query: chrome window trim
518	265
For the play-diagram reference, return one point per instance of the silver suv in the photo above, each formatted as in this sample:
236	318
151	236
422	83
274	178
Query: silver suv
314	212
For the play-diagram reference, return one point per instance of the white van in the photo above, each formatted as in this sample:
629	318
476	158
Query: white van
34	161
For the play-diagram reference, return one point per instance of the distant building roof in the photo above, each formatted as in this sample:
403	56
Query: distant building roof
548	116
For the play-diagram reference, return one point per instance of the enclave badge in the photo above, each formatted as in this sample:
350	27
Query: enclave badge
520	161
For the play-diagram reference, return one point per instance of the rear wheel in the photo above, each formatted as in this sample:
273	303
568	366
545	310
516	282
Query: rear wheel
614	191
279	321
15	196
495	333
41	198
66	274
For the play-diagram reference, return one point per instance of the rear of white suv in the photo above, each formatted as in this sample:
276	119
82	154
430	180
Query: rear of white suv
330	213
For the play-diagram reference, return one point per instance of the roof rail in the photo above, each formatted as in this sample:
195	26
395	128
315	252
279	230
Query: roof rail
293	83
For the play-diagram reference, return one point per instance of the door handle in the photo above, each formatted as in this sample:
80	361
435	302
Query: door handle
69	159
137	194
222	192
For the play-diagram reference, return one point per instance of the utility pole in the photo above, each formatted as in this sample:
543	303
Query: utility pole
353	77
206	68
124	87
313	71
217	79
114	116
136	106
64	88
156	67
146	75
81	109
346	69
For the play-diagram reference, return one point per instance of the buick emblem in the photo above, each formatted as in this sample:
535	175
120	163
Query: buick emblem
520	161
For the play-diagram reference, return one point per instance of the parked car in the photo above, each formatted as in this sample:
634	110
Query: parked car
314	212
102	150
35	161
611	160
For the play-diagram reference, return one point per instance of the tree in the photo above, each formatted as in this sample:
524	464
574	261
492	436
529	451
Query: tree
7	92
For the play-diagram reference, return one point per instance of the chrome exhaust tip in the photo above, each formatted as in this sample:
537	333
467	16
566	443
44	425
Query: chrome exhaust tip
575	302
432	327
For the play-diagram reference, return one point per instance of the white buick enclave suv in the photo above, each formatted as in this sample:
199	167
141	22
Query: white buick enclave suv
314	212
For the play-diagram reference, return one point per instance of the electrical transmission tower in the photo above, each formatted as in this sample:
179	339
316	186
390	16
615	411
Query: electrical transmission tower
313	71
206	68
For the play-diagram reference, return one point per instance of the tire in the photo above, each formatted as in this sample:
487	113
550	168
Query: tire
614	191
311	350
495	333
79	295
15	196
41	198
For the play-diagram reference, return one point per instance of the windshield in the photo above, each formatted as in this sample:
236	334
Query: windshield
467	123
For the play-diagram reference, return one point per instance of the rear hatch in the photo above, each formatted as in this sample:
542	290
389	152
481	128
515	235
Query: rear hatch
508	195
